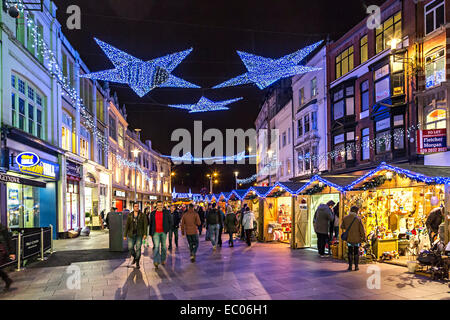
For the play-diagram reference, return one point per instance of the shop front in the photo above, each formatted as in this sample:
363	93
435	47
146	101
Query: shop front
255	200
72	205
29	188
395	202
119	199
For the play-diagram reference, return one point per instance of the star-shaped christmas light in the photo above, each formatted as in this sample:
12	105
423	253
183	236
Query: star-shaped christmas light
204	105
265	71
141	76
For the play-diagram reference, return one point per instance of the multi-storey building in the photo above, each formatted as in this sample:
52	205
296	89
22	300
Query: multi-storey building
267	162
371	106
433	88
139	173
310	118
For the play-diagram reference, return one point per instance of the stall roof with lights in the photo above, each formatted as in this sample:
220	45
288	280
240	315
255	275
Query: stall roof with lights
239	193
419	173
290	187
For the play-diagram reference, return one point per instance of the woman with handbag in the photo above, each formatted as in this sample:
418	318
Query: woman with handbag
354	234
6	250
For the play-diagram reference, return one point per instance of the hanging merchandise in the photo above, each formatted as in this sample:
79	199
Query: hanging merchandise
265	71
204	105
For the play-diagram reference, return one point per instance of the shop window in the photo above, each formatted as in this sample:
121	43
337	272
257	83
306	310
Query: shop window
365	144
383	142
399	139
23	206
398	83
306	123
314	87
436	119
390	29
365	96
314	120
344	62
363	49
299	127
435	68
434	15
344	147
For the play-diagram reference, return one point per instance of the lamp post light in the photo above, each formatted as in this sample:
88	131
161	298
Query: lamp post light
211	176
236	176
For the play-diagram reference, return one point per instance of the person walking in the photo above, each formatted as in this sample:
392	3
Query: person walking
334	229
243	211
160	225
201	214
247	223
213	221
322	218
230	224
6	249
189	227
173	233
208	209
135	231
113	210
221	220
353	225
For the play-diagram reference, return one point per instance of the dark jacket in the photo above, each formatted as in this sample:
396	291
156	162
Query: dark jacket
167	222
201	215
231	222
142	224
213	216
6	246
322	219
176	218
190	222
434	220
356	234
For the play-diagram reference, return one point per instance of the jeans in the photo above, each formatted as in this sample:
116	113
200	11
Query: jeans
193	243
200	228
214	233
173	232
219	241
248	236
134	246
322	239
353	254
160	251
231	238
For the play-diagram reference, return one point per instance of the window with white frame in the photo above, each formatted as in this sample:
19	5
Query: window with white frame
435	68
434	15
299	127
85	139
27	106
365	144
436	119
314	87
66	131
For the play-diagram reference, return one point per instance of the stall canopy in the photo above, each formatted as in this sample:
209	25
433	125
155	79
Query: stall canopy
318	182
224	196
420	173
238	194
281	188
259	191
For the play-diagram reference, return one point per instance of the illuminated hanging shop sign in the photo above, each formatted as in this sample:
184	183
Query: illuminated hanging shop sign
30	163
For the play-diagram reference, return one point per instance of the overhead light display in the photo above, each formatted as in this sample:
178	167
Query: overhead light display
205	105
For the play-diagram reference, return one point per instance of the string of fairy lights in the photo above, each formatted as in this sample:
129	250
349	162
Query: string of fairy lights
57	73
397	137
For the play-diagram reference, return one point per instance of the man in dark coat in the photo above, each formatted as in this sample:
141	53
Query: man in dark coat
230	224
6	250
201	215
176	218
136	231
433	222
322	219
160	225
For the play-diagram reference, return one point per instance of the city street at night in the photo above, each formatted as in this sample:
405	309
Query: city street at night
259	272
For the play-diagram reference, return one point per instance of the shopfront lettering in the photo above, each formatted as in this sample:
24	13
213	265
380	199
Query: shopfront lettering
7	178
27	159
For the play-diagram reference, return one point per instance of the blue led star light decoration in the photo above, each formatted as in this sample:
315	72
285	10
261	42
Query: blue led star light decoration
265	71
141	76
205	105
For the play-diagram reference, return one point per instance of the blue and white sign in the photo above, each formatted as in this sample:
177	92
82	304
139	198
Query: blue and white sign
27	159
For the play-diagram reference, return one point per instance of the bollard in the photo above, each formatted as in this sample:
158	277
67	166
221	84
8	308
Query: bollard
51	239
42	245
19	245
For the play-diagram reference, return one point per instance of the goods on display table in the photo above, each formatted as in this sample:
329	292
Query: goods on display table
279	223
394	211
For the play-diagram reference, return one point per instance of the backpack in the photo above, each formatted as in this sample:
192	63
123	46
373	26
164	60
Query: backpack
213	217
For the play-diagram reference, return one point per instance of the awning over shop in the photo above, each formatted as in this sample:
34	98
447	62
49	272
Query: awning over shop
420	173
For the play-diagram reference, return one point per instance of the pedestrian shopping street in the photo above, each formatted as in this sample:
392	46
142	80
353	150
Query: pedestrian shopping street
263	271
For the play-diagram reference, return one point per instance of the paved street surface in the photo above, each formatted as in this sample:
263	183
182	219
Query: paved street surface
263	271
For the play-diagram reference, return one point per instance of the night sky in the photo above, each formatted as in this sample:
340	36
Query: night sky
215	29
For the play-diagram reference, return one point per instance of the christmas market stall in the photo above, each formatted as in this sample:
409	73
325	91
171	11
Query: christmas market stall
395	202
223	201
254	199
316	191
235	199
279	208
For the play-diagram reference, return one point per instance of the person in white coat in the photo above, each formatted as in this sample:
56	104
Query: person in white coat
247	222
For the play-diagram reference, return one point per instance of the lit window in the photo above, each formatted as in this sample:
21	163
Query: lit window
390	29
434	15
435	68
344	62
437	119
364	52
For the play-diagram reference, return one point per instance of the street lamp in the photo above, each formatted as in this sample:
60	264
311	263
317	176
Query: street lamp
236	176
210	176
